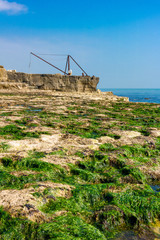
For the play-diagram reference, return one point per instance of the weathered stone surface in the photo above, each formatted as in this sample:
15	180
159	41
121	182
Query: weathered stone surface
3	74
56	82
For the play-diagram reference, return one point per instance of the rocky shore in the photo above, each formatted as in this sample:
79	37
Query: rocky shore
78	166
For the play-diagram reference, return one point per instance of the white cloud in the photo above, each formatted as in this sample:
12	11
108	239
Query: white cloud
12	7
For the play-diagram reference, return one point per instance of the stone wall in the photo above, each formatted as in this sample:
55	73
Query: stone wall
56	82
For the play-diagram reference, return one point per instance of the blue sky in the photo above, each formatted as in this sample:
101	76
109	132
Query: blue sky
117	40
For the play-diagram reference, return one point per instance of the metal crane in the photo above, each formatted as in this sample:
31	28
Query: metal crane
67	67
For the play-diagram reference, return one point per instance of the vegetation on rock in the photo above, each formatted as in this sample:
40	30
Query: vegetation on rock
87	167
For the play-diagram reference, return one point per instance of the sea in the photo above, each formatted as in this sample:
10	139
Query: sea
136	95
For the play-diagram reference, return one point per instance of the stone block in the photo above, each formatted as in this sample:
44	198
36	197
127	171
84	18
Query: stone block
3	74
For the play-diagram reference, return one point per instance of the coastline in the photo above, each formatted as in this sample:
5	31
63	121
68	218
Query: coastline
73	161
137	94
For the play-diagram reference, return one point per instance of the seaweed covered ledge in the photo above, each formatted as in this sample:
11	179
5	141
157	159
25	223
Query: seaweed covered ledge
79	166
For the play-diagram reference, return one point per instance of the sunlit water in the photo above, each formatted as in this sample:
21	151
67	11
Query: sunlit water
136	95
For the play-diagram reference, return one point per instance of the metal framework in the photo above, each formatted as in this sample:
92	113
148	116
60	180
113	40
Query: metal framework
67	66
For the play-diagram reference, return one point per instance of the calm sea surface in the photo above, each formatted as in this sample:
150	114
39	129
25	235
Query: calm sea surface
136	95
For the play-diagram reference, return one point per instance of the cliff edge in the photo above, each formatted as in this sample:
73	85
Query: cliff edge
55	82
